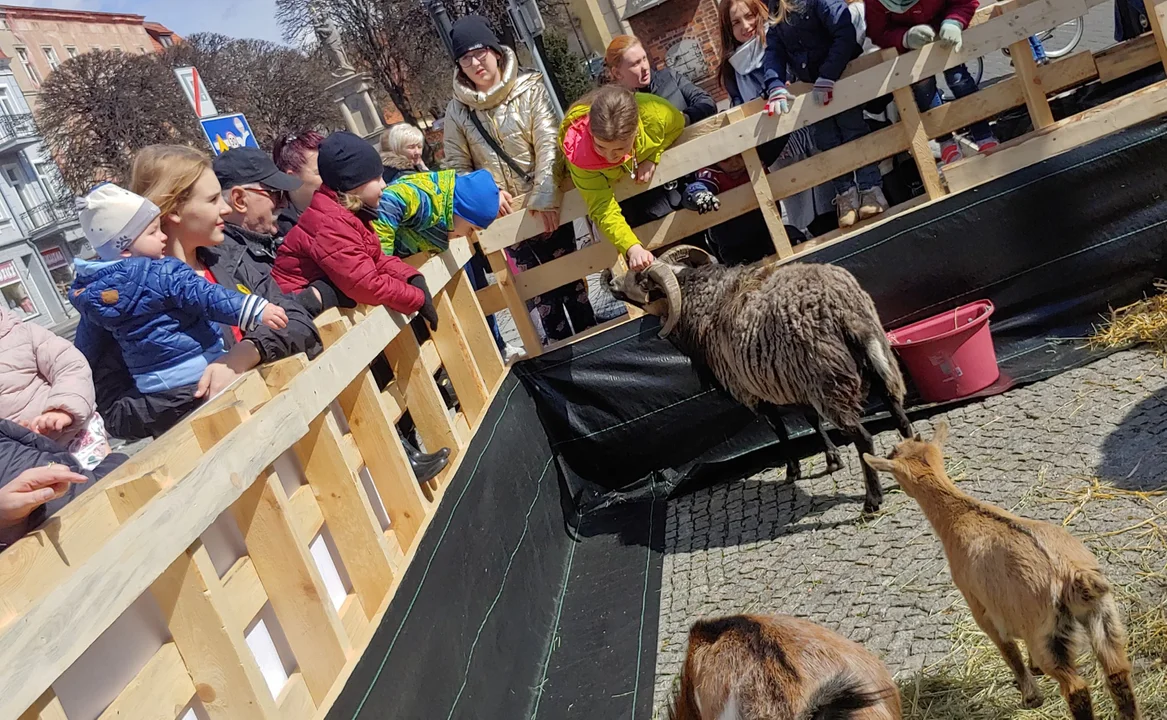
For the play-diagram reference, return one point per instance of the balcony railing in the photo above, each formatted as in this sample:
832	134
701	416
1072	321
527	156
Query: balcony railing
14	128
49	215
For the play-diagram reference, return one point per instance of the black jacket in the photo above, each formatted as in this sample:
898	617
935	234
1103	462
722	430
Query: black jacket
693	102
287	219
244	262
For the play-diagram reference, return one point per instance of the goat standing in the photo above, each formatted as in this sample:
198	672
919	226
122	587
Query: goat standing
1023	579
803	335
756	667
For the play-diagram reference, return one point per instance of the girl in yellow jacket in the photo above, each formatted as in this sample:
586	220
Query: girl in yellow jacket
612	133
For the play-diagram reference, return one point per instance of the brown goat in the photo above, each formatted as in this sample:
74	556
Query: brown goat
1023	580
777	667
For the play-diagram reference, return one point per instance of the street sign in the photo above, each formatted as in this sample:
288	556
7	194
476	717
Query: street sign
196	93
227	132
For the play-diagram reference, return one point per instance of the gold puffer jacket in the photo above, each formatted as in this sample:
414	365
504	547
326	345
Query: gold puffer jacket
519	116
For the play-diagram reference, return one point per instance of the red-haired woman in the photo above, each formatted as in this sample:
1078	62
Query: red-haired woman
295	154
628	65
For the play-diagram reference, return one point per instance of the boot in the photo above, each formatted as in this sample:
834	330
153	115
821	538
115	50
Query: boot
847	206
871	203
426	466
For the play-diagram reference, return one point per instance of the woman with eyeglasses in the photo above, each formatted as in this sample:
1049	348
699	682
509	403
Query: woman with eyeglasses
500	120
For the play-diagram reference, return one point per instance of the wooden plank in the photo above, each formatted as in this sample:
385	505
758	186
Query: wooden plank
426	406
160	691
431	359
532	345
347	511
491	299
462	428
244	592
58	628
1062	136
352	454
1031	84
393	401
1157	16
288	573
567	269
47	707
354	619
201	619
1127	57
1019	20
837	236
912	126
295	702
766	202
306	515
475	330
458	359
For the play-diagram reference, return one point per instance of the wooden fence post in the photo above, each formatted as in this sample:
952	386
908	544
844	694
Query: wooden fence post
422	397
917	136
1157	16
771	211
225	674
288	573
475	330
458	359
518	307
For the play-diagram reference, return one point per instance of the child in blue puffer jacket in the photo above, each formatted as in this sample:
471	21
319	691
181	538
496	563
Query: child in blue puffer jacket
160	312
815	39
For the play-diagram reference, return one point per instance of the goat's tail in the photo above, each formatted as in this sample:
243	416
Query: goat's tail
1084	591
885	366
840	697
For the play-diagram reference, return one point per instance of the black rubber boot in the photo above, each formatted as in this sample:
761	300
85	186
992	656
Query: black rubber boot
425	466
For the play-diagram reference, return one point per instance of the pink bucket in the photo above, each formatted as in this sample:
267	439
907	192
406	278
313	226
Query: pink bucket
949	355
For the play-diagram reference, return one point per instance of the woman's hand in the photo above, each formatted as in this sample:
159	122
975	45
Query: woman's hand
504	203
644	173
31	489
49	422
639	258
550	219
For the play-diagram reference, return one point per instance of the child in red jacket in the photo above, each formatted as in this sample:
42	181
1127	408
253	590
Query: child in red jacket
910	25
331	243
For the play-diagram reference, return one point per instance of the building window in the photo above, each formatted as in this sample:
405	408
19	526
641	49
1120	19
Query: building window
4	22
117	47
72	51
26	63
13	292
6	105
60	269
51	56
165	40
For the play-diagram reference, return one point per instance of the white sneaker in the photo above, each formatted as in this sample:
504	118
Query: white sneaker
510	354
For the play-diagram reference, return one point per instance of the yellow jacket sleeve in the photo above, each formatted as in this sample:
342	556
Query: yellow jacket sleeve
596	190
661	124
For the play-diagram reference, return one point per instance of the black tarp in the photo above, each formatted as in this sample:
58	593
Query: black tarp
1053	246
501	614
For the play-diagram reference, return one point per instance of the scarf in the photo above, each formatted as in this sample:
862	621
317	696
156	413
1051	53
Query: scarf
745	61
898	6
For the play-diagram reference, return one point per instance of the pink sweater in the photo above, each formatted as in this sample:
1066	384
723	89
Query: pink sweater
41	371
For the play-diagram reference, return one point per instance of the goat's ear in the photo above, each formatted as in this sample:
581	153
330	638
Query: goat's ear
940	436
879	464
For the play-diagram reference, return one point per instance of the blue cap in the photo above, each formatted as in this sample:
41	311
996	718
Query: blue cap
476	198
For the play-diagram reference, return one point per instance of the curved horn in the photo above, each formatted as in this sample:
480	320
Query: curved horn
687	255
663	276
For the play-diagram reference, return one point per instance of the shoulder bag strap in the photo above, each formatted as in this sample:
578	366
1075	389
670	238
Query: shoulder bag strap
526	176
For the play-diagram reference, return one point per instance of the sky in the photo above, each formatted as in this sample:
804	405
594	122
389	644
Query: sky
236	18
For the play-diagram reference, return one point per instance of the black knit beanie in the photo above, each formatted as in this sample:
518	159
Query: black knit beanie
470	33
346	162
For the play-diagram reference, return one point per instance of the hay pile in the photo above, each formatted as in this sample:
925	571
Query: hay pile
972	681
1141	322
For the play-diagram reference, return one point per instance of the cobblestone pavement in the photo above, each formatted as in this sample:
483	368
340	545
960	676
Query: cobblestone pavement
766	545
1098	35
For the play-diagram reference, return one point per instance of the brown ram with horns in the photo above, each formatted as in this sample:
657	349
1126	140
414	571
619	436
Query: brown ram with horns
802	335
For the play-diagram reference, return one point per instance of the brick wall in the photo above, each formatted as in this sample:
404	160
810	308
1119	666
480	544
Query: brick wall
683	34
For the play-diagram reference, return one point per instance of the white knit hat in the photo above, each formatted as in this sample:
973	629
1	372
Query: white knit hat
113	218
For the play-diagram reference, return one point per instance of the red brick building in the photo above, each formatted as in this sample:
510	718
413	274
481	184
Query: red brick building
682	34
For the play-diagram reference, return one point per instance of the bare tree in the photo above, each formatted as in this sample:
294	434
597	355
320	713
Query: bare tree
278	88
97	110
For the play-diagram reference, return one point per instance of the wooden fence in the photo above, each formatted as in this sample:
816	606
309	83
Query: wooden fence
740	130
265	535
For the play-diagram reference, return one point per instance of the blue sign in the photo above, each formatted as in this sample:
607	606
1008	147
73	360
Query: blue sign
227	132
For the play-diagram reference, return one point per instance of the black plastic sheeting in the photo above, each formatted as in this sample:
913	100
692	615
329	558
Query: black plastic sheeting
501	614
1053	246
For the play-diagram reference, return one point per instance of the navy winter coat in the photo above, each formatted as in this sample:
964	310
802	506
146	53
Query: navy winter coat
815	40
161	313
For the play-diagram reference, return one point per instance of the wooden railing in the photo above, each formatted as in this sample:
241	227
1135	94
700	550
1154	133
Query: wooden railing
301	463
271	528
740	130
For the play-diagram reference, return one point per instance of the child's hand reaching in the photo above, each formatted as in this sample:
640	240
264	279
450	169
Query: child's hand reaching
824	91
639	258
779	101
31	489
274	317
49	422
918	36
644	172
951	35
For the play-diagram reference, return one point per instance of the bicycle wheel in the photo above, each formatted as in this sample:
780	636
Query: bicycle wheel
1063	39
